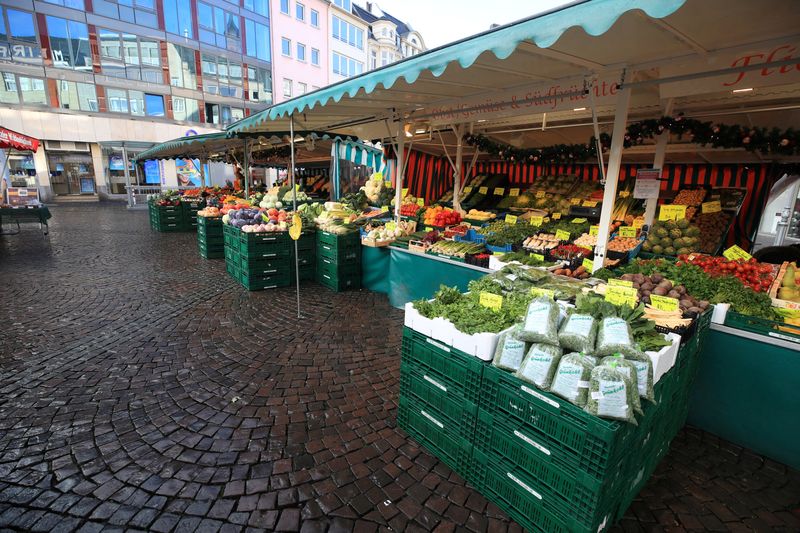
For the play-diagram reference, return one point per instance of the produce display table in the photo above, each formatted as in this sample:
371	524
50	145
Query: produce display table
15	215
746	392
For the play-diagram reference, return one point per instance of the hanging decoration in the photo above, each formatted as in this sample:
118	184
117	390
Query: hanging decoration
766	141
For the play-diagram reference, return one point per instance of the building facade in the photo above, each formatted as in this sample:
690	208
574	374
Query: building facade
390	39
97	81
347	41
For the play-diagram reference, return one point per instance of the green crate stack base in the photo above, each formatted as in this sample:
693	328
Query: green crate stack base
257	261
190	210
167	218
307	256
338	260
210	238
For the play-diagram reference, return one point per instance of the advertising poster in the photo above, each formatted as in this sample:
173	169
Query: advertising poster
152	172
188	172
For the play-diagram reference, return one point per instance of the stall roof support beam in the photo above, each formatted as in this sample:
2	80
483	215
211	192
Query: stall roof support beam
294	210
400	145
658	162
612	177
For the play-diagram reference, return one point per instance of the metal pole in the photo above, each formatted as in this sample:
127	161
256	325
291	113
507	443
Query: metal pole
246	169
3	174
459	131
658	162
131	197
614	163
294	210
597	143
202	170
398	193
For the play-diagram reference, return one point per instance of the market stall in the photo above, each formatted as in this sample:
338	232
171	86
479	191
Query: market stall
21	203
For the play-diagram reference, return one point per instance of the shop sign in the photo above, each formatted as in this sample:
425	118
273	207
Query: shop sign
648	183
767	76
19	52
23	196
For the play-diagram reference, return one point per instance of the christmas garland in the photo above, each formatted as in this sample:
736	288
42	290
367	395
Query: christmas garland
763	140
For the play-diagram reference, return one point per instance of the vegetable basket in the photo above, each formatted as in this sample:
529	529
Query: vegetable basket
470	236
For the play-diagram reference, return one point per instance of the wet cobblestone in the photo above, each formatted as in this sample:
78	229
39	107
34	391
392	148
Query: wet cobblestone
142	389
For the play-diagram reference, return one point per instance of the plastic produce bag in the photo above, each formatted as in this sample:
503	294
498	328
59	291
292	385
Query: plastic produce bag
628	369
610	394
541	322
539	365
577	333
571	381
510	350
613	336
644	374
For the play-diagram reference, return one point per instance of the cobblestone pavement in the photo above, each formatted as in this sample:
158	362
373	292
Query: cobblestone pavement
140	388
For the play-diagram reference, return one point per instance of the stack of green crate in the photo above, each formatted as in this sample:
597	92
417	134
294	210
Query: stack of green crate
167	217
549	464
257	260
210	240
306	254
339	260
190	210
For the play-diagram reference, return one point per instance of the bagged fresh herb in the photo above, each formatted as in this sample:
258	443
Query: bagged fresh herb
644	374
610	394
539	365
577	333
629	370
510	350
571	381
541	322
613	336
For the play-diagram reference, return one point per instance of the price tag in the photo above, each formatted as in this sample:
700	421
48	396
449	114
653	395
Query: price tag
538	257
619	283
556	216
622	296
627	232
541	194
404	192
483	190
511	219
537	221
378	177
712	207
664	303
562	235
492	301
384	209
735	253
594	230
499	191
575	201
428	228
672	212
421	202
588	264
549	293
638	223
590	203
624	194
578	220
468	189
391	226
513	192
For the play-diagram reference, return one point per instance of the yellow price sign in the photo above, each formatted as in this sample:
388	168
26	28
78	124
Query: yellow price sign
594	230
735	253
513	192
483	190
575	201
624	194
384	209
638	223
421	202
537	221
492	301
562	235
540	194
712	207
672	212
622	296
619	283
628	232
378	176
664	303
590	203
548	293
538	257
556	216
499	191
467	190
588	264
578	220
391	226
511	219
296	228
404	192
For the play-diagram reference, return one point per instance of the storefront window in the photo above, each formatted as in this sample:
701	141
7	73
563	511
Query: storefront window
71	173
21	170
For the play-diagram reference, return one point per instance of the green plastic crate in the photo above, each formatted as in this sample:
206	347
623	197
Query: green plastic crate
232	252
213	253
307	241
264	267
258	282
335	240
427	430
337	270
350	254
458	372
455	412
338	283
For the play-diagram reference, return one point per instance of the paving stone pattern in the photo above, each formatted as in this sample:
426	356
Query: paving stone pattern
142	389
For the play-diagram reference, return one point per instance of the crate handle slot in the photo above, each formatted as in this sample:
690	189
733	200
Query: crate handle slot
429	417
541	397
434	382
532	442
440	346
326	276
522	484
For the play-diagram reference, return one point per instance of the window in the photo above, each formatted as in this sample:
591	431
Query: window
222	76
286	46
8	89
302	88
20	27
346	66
81	96
285	7
374	59
344	4
141	12
185	109
315	57
154	105
287	88
182	67
117	100
178	17
257	44
315	18
300	11
258	6
384	58
127	56
74	4
259	85
69	44
347	33
32	90
219	27
136	102
301	52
